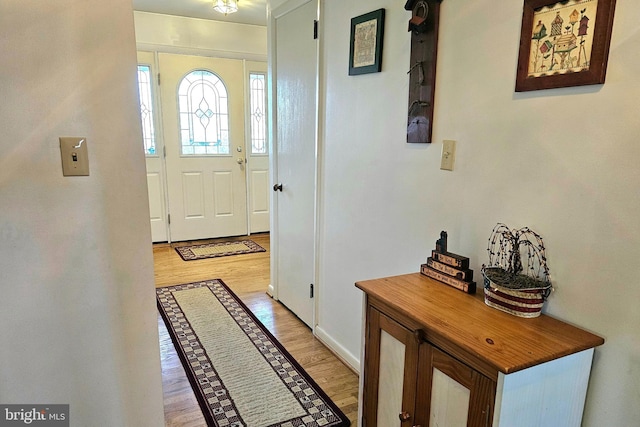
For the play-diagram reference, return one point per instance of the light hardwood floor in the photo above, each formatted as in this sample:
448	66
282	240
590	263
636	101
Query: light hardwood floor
248	276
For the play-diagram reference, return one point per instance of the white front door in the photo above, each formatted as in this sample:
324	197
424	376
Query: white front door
204	132
295	71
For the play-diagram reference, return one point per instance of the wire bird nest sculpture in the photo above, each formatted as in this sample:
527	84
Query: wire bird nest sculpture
506	249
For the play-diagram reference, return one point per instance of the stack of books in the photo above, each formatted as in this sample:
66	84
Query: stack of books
449	268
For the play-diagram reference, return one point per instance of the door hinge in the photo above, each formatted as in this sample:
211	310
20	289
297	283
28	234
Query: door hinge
315	29
158	79
311	290
169	219
164	151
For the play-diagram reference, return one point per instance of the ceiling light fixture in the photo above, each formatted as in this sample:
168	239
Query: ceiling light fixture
225	6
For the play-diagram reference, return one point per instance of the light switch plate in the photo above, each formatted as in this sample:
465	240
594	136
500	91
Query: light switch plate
75	156
448	155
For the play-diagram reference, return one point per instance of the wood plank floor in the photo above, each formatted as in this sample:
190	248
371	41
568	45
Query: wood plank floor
248	276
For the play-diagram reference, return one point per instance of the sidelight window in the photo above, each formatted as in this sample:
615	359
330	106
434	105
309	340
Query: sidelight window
146	109
257	83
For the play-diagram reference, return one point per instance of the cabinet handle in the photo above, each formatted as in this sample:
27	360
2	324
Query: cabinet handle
404	416
419	336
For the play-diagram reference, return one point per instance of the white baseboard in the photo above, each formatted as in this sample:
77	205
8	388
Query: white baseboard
349	359
270	290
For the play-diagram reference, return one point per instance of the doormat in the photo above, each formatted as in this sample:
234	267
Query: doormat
240	373
213	250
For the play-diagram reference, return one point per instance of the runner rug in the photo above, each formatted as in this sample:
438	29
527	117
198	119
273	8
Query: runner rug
240	373
212	250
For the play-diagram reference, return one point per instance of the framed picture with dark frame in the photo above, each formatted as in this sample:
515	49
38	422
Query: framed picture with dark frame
367	35
564	43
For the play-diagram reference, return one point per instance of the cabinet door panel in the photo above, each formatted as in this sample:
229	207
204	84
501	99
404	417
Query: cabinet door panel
449	401
391	363
450	393
391	379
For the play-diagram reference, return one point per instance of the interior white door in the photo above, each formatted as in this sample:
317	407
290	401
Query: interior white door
295	68
203	123
153	147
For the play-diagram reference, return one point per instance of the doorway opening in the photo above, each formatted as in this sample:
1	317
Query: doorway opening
205	141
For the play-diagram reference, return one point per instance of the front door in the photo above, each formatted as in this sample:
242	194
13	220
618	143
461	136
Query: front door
203	125
296	66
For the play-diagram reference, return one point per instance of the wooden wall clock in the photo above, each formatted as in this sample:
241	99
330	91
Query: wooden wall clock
423	26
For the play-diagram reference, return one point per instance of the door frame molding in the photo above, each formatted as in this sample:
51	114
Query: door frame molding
272	16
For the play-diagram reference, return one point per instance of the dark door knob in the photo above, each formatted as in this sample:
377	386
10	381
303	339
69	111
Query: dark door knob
277	187
404	416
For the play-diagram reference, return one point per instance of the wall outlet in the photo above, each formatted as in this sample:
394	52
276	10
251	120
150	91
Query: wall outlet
448	155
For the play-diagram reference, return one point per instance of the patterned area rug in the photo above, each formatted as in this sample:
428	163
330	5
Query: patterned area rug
213	250
240	373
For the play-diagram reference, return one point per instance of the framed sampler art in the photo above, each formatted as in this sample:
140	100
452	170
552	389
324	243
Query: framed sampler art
367	35
564	43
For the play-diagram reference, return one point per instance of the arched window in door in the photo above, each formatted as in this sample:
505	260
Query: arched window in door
203	106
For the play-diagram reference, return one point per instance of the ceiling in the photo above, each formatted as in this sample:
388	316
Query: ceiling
252	12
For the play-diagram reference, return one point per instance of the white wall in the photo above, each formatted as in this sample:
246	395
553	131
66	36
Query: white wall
177	34
76	269
563	162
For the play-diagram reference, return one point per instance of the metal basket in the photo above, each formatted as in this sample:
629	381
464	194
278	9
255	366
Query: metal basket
522	302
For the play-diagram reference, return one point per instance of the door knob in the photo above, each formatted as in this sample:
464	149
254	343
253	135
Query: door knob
277	187
240	161
404	416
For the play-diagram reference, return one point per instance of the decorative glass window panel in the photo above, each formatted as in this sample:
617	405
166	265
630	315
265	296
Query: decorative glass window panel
146	109
258	101
204	114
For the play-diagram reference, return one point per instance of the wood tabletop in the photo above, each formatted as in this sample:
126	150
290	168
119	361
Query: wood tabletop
500	341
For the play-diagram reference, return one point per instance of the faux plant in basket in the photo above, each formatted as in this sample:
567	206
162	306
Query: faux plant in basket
507	285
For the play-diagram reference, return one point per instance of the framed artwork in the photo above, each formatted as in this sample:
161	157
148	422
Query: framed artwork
564	43
367	34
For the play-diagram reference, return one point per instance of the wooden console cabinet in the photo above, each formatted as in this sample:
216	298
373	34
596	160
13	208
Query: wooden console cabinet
435	356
